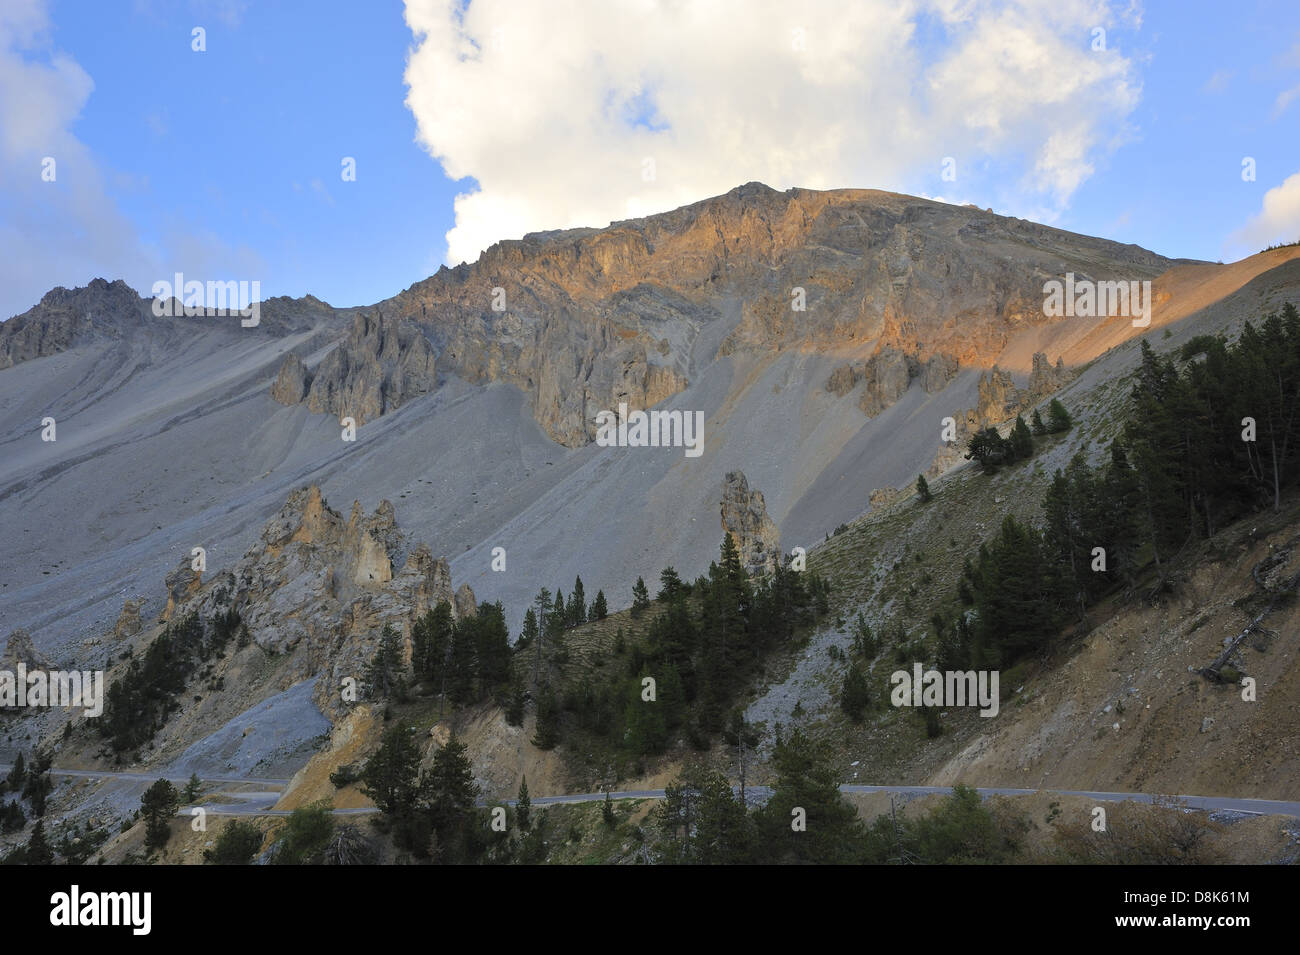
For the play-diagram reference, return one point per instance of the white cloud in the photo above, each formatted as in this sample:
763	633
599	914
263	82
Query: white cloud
1218	81
552	108
54	233
1284	99
1277	221
70	230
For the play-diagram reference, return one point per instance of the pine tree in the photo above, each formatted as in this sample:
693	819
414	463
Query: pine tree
577	605
988	448
462	666
515	708
670	585
1021	441
703	821
1036	424
12	818
923	489
528	633
1058	419
523	805
607	811
640	598
158	806
430	643
450	788
806	779
647	727
855	695
384	674
547	734
598	609
17	774
542	604
491	640
193	788
236	845
38	851
37	786
390	778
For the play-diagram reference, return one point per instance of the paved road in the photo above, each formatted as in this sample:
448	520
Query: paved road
259	803
152	777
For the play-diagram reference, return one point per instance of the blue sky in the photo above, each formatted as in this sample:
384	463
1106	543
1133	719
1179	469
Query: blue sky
226	163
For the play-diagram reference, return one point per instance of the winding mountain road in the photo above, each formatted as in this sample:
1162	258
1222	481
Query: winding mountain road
259	802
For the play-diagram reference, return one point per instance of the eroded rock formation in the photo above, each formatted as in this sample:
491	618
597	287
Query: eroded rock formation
320	588
888	374
20	649
382	364
744	517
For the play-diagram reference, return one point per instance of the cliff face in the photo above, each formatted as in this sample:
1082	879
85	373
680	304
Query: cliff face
382	364
888	374
68	317
582	319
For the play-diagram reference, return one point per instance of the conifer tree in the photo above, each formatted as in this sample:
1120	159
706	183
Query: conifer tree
528	632
523	805
384	674
640	598
806	779
431	642
547	734
38	850
158	806
450	789
1021	441
599	611
923	489
577	605
670	585
391	775
1058	419
855	695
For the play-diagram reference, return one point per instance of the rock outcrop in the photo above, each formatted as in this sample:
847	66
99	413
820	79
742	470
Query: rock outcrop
883	497
999	401
382	364
937	372
999	398
1045	379
888	374
182	583
20	649
744	517
128	621
292	381
464	602
67	317
320	588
